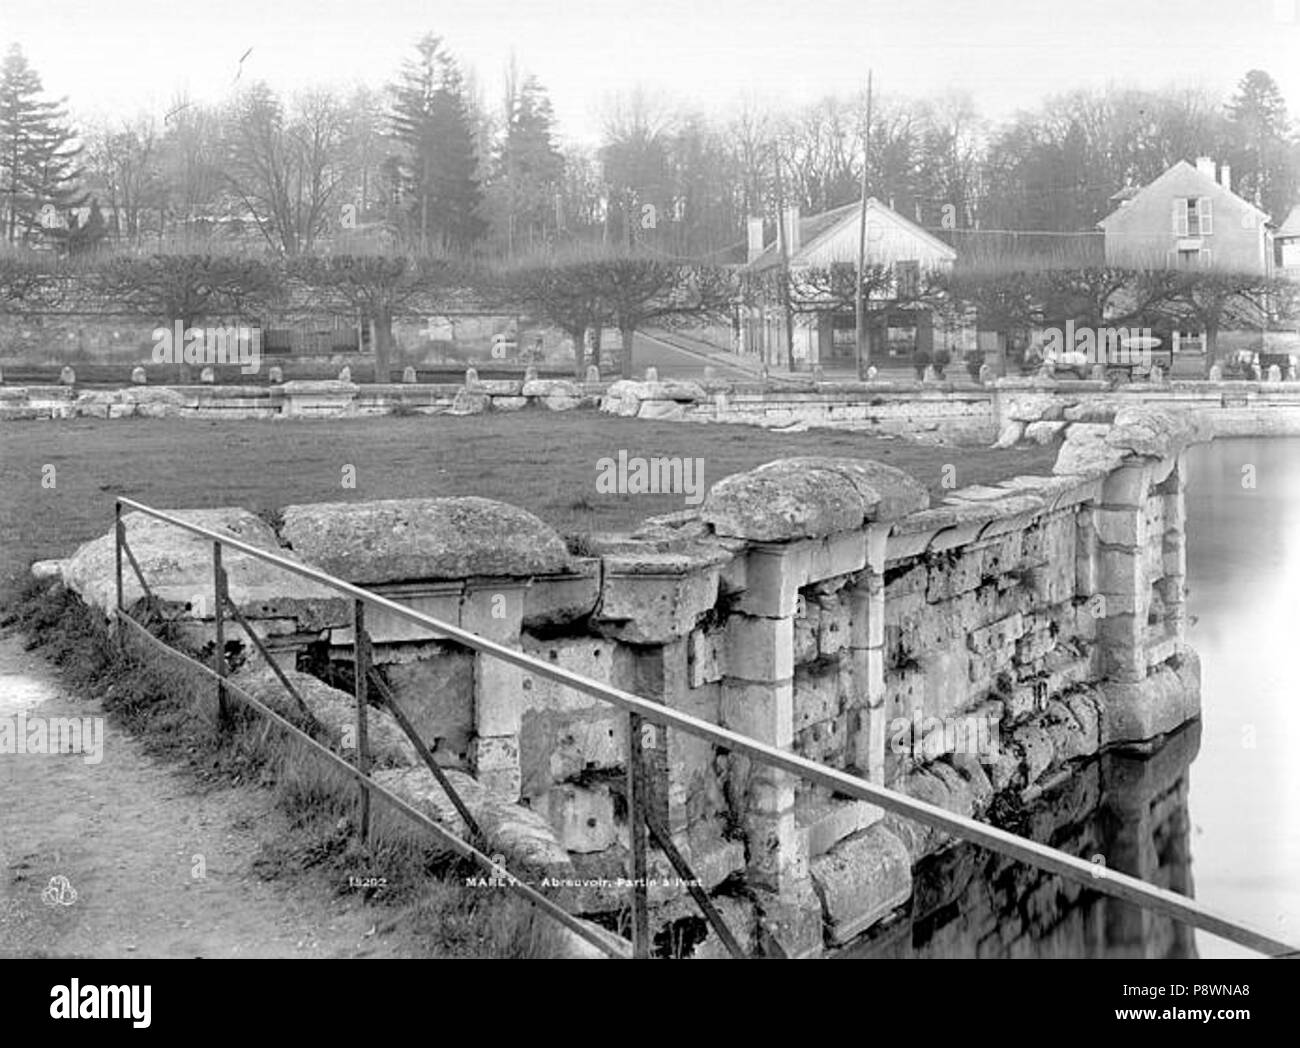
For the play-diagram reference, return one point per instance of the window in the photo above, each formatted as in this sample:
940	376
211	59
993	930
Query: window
1193	216
1191	258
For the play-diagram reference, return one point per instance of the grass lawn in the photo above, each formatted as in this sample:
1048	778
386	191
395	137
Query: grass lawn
541	461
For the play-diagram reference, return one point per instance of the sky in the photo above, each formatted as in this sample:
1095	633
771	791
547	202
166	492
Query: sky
114	58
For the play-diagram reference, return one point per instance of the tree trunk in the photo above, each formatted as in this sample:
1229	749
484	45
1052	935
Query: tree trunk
626	335
1211	346
579	337
381	340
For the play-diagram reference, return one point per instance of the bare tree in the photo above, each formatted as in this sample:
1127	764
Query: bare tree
286	169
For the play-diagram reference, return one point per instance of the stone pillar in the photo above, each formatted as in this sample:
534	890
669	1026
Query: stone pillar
495	610
1122	538
867	650
758	701
1173	587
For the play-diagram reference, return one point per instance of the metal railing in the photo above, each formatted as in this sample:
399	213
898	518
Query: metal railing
639	710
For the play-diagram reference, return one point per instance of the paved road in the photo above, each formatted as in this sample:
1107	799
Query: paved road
672	362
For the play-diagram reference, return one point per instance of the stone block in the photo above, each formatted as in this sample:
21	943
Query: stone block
773	578
559	600
997	635
643	608
496	765
825	821
860	881
759	649
761	711
582	817
437	696
835	555
707	656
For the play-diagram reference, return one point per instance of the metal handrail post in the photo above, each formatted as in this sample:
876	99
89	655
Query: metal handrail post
118	529
636	799
361	662
219	654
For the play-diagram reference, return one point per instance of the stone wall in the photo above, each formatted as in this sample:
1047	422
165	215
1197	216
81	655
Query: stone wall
1005	412
956	652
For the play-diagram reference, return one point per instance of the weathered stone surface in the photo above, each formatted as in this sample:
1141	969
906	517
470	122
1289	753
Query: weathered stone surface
1009	434
551	387
861	880
559	600
1043	432
655	597
509	403
1086	451
333	710
661	411
810	497
437	694
561	402
1151	432
525	839
397	540
178	568
824	822
469	402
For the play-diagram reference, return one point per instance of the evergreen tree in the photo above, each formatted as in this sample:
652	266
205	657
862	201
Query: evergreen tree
529	167
1262	141
37	151
431	122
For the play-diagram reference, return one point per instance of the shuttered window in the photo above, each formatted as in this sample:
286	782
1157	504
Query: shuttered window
1180	217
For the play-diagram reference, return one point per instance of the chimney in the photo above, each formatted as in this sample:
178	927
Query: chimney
1205	165
792	230
755	229
1225	177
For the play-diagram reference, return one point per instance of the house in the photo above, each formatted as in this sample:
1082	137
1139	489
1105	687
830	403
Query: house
824	320
1287	241
1188	218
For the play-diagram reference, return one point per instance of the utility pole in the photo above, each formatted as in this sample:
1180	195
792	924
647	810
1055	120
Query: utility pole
784	240
860	343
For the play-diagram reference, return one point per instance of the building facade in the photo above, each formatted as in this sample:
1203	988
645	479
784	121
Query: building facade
820	248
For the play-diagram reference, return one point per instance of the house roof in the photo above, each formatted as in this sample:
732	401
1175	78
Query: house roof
822	226
1291	226
1176	168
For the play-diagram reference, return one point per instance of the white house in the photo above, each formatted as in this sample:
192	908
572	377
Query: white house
824	331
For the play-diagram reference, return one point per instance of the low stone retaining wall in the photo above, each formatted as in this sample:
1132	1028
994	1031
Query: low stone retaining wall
1006	412
957	652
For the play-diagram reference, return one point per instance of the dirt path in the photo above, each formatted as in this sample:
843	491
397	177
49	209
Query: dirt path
126	833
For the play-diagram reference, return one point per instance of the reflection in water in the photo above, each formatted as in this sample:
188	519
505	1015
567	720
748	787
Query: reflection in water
1128	808
1243	576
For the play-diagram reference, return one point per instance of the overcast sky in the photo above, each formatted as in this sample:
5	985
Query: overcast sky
115	57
